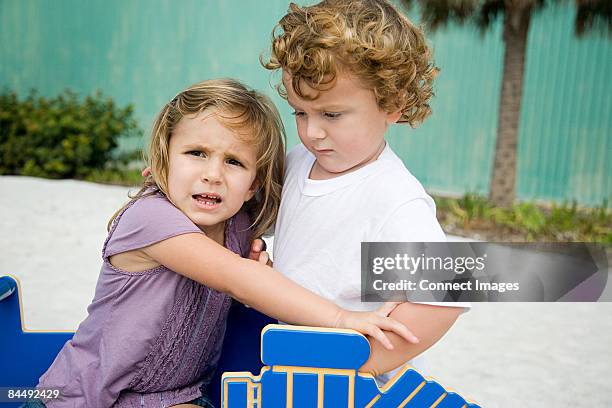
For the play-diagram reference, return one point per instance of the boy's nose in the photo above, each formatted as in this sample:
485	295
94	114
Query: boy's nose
314	131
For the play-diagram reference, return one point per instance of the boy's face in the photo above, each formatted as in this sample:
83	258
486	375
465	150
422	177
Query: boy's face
343	128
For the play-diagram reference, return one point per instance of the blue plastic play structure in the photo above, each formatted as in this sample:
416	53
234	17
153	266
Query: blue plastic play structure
316	367
305	367
24	355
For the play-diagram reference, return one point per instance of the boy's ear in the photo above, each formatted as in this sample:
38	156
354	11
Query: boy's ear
393	117
252	190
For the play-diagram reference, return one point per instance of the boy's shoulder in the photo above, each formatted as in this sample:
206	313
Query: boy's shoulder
297	157
394	177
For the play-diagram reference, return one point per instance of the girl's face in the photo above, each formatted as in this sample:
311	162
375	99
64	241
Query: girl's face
211	171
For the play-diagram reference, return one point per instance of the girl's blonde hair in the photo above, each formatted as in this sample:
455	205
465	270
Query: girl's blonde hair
251	115
368	38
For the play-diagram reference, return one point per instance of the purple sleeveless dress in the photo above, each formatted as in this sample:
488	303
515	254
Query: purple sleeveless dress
151	338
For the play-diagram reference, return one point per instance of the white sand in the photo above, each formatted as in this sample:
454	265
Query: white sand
500	355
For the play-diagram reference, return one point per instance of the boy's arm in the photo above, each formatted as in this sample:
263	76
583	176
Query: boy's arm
427	322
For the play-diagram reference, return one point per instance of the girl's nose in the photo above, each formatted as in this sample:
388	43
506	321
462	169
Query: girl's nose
211	173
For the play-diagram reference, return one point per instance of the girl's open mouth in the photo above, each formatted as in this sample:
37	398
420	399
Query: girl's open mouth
207	200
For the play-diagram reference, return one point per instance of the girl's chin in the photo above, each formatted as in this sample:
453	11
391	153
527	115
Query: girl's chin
204	220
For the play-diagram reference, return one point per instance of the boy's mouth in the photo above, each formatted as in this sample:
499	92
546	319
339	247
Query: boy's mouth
207	200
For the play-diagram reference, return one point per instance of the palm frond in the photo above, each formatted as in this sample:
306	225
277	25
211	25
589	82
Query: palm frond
488	13
406	5
590	14
593	15
438	13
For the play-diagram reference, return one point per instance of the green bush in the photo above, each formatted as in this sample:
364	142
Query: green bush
60	137
526	221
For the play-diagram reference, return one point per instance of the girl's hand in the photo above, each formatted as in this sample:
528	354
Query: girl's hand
146	172
373	324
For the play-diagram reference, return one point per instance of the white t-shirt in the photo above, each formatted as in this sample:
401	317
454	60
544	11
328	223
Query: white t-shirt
321	224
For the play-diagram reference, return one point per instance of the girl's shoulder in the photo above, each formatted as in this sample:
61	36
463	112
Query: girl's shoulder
148	206
145	221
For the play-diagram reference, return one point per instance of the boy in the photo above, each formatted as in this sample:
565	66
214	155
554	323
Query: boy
349	70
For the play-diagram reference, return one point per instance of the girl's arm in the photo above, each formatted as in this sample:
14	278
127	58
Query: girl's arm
429	323
203	260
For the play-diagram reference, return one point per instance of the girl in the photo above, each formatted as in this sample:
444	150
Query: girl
156	323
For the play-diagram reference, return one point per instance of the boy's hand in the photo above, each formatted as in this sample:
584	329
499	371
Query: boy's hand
373	324
264	258
258	252
387	308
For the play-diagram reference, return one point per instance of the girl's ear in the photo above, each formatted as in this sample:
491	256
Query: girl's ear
252	190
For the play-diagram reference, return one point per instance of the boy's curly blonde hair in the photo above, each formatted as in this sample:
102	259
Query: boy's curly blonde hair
367	38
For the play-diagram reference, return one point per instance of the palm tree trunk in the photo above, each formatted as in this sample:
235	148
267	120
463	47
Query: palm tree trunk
503	180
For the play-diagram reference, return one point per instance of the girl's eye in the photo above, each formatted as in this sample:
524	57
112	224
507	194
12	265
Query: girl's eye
332	115
234	162
196	153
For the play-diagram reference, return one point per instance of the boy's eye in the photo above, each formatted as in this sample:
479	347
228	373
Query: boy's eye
196	153
332	115
298	113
